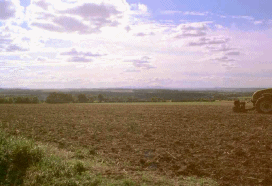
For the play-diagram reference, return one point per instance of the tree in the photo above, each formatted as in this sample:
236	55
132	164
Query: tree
2	100
91	99
18	100
59	98
100	98
35	100
82	98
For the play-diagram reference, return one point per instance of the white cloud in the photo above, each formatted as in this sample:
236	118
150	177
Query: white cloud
191	33
142	8
15	48
11	41
79	59
41	59
7	9
219	26
83	17
195	13
249	18
170	12
11	11
187	30
143	63
139	9
144	34
220	48
43	4
80	56
74	52
192	13
234	53
259	22
224	59
209	41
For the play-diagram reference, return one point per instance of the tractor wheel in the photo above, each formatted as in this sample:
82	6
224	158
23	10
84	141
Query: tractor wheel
264	105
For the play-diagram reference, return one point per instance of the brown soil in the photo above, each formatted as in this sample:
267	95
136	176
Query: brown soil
174	140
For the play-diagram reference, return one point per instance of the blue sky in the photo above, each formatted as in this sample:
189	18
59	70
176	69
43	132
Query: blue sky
134	43
257	9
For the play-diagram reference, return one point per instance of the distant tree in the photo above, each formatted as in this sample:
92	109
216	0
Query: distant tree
100	98
59	98
35	100
91	99
10	100
26	100
18	100
82	98
154	99
2	100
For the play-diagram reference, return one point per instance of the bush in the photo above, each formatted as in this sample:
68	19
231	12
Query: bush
16	156
82	98
59	98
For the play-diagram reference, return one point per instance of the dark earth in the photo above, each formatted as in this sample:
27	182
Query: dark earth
173	140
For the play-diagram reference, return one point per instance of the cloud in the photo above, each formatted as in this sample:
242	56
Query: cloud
160	81
86	18
132	70
235	53
170	12
7	9
142	34
142	7
186	30
139	9
259	22
69	24
74	52
192	13
93	11
192	33
4	41
15	48
143	63
12	39
79	59
80	56
207	41
42	4
224	58
195	13
219	26
194	26
10	10
249	18
41	59
220	48
229	65
127	28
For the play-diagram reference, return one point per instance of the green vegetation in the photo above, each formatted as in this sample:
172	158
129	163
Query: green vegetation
120	95
59	98
24	162
25	99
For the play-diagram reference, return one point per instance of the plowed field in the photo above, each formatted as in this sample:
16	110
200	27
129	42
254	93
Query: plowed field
174	140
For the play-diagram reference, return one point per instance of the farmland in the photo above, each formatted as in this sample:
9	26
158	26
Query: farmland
169	139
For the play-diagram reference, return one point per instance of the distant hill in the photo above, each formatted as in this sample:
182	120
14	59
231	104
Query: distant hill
145	94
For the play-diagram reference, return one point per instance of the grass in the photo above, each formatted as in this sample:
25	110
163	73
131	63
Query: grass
26	162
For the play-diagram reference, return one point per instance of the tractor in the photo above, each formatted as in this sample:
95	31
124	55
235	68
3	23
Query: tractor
262	102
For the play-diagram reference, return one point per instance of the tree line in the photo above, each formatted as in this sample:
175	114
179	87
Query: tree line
113	97
19	99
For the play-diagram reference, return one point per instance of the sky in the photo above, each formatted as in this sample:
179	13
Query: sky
47	44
